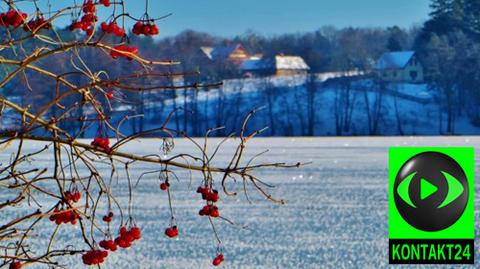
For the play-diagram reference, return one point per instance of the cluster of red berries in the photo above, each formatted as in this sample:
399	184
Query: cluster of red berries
89	7
108	218
164	186
148	29
218	260
72	196
210	210
208	195
105	2
12	18
15	265
94	257
38	23
127	237
101	142
64	217
87	22
211	196
112	28
108	245
123	51
171	232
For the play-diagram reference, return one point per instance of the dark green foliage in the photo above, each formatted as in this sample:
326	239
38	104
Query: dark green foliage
448	45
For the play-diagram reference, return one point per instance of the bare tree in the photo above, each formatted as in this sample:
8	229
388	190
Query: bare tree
373	106
76	180
311	104
344	103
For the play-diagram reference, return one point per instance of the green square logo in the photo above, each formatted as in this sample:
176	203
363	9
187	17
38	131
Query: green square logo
431	205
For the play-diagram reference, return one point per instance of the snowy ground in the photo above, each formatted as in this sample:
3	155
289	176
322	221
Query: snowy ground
336	215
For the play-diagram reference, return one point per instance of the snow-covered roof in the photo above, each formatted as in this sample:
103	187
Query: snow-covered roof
278	62
394	60
221	52
207	51
254	63
290	63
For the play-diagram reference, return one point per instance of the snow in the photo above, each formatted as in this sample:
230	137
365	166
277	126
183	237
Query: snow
394	60
207	51
220	52
335	216
290	63
322	77
279	62
418	110
252	64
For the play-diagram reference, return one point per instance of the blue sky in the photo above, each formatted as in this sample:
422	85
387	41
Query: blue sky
229	18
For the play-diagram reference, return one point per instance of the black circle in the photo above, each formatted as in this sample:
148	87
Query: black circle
426	215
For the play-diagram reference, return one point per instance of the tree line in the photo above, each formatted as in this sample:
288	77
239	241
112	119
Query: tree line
447	45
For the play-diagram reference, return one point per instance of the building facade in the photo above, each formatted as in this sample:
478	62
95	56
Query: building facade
280	65
399	67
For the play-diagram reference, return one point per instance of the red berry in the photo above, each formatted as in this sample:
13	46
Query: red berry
76	196
135	233
94	257
137	28
123	51
105	2
89	31
204	211
68	196
122	242
201	190
104	26
214	213
113	247
128	238
146	29
89	7
154	30
119	32
15	265
164	186
171	232
218	260
109	95
103	244
213	196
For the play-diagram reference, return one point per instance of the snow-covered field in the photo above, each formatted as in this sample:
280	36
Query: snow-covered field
336	215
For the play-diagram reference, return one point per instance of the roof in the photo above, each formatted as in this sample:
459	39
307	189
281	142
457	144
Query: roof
394	60
207	51
290	63
278	62
254	63
221	52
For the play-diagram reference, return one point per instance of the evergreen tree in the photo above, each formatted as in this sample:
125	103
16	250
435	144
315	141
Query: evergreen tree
445	16
472	16
397	39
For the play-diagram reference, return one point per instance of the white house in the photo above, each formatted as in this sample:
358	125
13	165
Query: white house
280	65
400	66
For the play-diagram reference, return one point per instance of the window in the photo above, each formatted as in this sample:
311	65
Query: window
413	75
